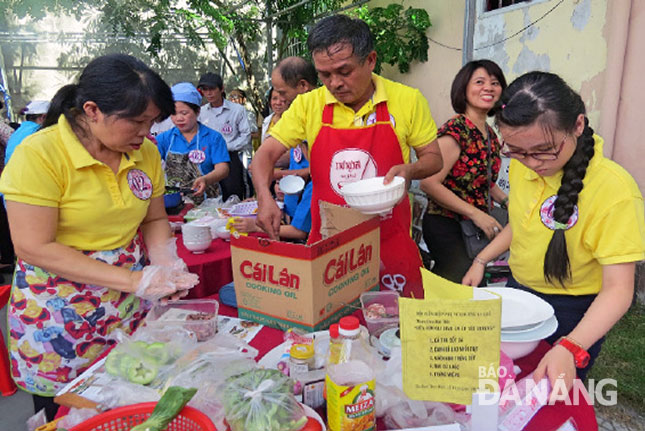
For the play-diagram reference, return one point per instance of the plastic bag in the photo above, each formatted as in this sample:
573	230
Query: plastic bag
37	420
262	400
398	410
228	355
140	359
75	417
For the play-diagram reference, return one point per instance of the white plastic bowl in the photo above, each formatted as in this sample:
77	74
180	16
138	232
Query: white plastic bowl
291	184
371	196
222	232
197	247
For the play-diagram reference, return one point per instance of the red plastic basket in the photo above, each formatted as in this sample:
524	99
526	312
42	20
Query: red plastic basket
124	418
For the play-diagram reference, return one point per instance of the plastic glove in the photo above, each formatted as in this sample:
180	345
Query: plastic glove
165	254
158	282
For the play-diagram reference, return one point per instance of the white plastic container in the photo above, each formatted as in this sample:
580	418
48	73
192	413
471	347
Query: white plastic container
196	315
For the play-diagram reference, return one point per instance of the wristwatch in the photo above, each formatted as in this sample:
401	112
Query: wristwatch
580	355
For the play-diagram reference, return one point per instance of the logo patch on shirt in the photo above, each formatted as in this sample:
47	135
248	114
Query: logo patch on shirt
297	154
226	129
546	214
371	119
140	184
196	156
350	165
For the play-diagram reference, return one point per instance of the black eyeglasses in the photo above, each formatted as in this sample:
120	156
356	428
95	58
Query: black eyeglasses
539	155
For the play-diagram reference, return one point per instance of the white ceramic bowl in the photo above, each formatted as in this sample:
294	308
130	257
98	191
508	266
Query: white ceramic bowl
291	184
222	232
370	196
197	247
196	233
517	345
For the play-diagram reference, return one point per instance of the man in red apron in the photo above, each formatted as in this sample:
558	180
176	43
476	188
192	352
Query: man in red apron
359	125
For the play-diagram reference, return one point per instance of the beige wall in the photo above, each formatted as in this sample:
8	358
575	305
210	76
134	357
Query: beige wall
571	41
434	77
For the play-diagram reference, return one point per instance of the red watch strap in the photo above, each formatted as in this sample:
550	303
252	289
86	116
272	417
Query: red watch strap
580	355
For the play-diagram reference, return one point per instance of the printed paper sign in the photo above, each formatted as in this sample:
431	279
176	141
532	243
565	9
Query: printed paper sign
446	337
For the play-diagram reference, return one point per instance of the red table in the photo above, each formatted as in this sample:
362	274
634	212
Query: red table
549	418
213	266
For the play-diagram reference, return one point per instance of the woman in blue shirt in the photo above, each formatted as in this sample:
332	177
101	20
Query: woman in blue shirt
195	155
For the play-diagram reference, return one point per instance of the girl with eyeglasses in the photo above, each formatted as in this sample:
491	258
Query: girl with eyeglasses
576	224
465	186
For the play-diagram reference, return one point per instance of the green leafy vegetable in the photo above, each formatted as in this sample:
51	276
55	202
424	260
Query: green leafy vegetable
168	407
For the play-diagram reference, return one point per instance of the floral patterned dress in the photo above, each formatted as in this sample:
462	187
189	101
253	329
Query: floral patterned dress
57	327
468	176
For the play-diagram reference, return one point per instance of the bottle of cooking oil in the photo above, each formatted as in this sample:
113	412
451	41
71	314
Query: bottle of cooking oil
350	382
335	344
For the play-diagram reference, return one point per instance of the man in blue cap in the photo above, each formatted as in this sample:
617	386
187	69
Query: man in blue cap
195	155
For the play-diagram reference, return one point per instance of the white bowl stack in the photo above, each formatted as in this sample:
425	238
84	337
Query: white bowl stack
371	196
526	320
196	237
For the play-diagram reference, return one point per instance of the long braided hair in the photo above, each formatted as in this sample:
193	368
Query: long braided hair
546	99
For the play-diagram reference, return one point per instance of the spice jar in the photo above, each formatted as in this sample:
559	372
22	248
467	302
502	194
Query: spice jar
301	358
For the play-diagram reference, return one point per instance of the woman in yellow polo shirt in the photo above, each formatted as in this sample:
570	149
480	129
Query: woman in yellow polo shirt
83	196
576	224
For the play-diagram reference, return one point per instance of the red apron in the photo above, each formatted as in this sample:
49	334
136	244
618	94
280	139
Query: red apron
341	156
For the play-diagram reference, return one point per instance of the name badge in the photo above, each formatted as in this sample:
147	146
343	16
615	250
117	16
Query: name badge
140	184
196	156
546	214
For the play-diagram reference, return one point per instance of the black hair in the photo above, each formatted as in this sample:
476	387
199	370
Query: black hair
33	117
546	99
119	84
293	69
462	78
341	29
267	106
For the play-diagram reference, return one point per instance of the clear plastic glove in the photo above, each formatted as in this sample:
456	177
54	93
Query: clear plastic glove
165	254
158	282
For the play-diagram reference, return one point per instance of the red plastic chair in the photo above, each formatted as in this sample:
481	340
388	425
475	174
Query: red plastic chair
7	385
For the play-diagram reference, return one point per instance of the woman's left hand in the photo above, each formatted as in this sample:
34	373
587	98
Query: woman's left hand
199	185
559	367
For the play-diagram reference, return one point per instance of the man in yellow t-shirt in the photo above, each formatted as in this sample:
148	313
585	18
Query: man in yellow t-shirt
357	126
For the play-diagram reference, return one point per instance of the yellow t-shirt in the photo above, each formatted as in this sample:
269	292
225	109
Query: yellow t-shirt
97	209
409	112
610	228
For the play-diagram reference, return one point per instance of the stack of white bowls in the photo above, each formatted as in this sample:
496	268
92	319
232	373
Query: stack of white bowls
196	237
526	320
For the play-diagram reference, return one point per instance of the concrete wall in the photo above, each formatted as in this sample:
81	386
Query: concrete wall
434	77
569	40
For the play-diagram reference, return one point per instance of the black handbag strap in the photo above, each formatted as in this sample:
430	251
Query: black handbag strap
489	175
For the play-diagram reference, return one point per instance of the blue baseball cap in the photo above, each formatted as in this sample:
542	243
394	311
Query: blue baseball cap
186	92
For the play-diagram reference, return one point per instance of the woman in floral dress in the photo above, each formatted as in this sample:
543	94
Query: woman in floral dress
460	191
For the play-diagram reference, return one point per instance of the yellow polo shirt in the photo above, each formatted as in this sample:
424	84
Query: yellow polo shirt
610	227
97	209
409	111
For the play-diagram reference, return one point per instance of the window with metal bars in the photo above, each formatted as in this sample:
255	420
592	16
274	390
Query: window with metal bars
498	4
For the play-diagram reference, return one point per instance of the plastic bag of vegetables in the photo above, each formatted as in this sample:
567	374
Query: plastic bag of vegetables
140	359
262	400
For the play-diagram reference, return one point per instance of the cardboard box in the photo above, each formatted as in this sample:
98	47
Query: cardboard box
287	285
